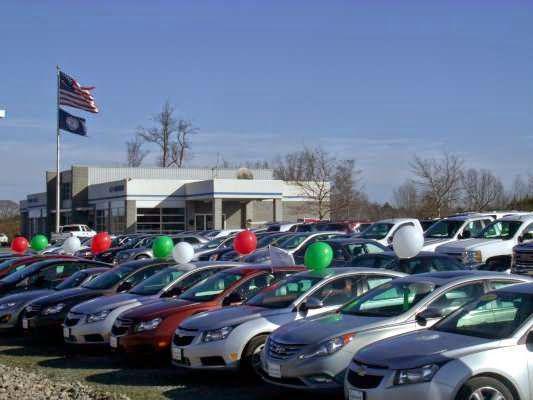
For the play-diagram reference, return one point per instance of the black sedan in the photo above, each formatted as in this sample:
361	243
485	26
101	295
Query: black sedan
48	313
44	274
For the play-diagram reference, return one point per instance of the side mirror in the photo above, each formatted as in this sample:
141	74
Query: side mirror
232	299
430	313
466	235
312	303
529	341
520	238
124	287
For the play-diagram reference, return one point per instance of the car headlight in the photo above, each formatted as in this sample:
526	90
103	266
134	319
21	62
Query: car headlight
328	347
99	316
217	334
148	325
53	309
7	306
416	375
472	257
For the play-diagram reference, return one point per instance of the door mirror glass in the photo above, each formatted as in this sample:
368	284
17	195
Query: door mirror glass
173	292
430	313
312	303
466	234
529	341
124	287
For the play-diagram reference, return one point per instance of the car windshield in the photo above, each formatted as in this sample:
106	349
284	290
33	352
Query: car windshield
270	240
444	229
373	261
157	282
390	299
284	293
108	279
8	263
211	287
144	242
495	315
70	229
73	281
377	231
291	242
23	273
500	230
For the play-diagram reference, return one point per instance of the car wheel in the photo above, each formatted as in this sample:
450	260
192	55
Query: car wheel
485	388
142	257
251	357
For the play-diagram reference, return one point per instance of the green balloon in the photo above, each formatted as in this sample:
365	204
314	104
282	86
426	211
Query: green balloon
39	242
162	247
318	256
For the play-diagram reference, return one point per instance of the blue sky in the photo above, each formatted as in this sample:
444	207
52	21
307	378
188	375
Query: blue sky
377	81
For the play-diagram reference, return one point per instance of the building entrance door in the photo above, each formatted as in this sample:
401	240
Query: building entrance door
203	222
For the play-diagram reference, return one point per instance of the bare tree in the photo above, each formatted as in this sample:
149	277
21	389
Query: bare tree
482	190
407	198
134	152
439	180
328	182
171	135
8	209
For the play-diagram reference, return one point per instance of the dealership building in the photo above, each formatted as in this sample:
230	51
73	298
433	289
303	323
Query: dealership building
163	200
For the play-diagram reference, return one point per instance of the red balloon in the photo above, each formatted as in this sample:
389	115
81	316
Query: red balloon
19	244
100	242
245	242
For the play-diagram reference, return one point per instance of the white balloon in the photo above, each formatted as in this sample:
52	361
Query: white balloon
407	241
183	252
71	245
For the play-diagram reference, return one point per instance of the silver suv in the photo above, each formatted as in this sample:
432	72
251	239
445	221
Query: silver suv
482	351
315	352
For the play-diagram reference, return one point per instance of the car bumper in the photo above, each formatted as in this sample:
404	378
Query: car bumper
430	390
219	355
321	373
43	323
140	343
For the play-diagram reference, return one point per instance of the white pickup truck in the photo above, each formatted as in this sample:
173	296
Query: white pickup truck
66	231
383	231
494	245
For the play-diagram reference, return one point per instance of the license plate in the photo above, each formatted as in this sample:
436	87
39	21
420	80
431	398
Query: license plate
177	354
356	395
25	324
113	342
66	332
274	370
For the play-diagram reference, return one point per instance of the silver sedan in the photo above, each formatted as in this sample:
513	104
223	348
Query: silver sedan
483	351
315	352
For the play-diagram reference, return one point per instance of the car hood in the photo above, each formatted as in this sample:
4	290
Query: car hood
74	295
229	316
469	244
317	329
105	303
420	348
24	297
160	308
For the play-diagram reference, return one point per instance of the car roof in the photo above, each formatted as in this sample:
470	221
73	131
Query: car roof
446	277
466	217
519	217
395	220
348	240
422	254
525	288
253	269
348	270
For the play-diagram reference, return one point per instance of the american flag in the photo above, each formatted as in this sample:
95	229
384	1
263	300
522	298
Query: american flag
73	95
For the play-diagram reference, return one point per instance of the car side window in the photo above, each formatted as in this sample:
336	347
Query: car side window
414	266
338	291
374	281
527	233
473	228
50	276
452	299
195	278
373	249
252	286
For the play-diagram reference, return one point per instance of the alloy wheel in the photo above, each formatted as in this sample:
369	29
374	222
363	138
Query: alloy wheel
487	393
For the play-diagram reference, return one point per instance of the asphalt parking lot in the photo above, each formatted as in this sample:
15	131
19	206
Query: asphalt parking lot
138	382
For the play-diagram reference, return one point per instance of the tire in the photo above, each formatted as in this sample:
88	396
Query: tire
250	362
484	388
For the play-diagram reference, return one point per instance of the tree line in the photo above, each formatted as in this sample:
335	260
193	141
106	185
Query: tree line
438	186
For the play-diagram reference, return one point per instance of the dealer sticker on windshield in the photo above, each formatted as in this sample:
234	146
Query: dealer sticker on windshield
24	323
66	332
274	370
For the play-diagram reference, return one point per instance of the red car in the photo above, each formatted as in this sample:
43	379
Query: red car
14	264
149	328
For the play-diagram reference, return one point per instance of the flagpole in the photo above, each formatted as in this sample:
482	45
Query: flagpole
58	178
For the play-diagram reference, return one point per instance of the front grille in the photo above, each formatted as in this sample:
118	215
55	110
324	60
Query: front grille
283	351
94	338
363	380
523	259
71	321
367	365
32	310
215	361
122	326
182	340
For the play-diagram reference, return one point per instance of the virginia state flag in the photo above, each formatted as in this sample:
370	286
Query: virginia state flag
71	123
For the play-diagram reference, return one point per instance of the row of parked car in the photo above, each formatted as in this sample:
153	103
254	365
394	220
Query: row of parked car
373	325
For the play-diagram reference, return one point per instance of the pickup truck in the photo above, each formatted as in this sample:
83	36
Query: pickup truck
66	231
383	231
494	245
